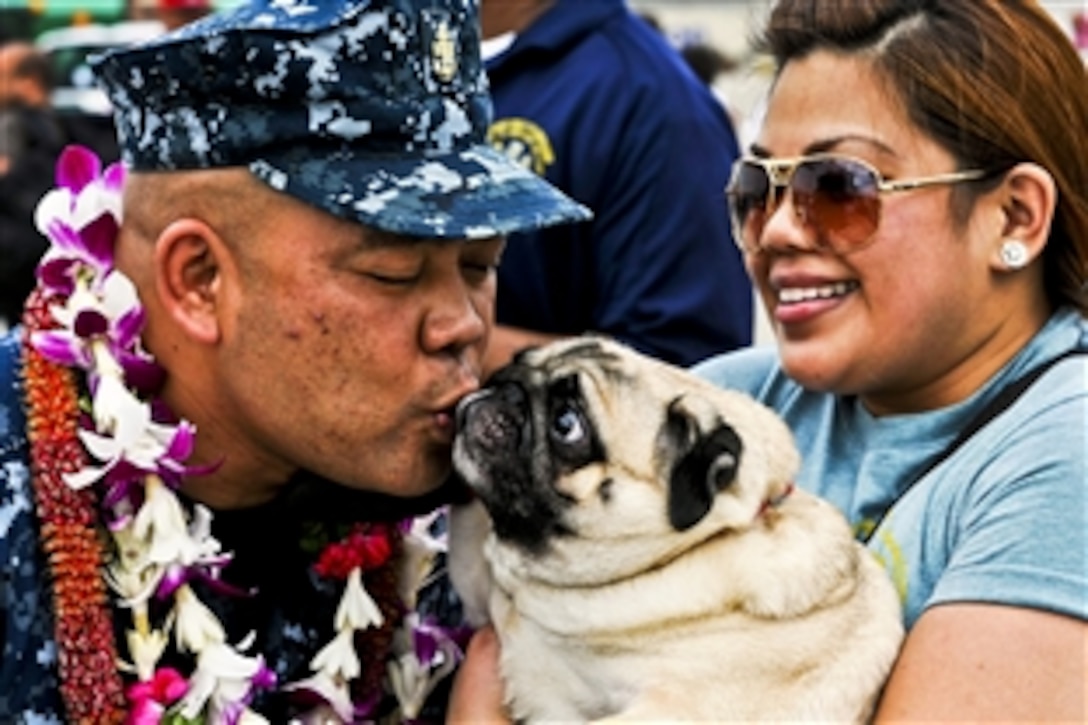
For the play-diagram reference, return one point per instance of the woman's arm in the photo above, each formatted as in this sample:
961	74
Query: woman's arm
988	663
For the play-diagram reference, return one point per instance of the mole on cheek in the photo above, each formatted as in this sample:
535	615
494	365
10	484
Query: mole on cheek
319	320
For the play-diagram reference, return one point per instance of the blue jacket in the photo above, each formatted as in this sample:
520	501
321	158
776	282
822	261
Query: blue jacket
596	100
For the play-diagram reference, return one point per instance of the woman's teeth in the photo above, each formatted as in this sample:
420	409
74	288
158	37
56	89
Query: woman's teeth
792	295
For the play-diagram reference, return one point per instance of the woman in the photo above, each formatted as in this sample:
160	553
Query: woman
914	212
923	246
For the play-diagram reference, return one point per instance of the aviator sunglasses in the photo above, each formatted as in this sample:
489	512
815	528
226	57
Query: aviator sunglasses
838	195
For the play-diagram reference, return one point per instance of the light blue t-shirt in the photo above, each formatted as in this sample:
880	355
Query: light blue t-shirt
1003	520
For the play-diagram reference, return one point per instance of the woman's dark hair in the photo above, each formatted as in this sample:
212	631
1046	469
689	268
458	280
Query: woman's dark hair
995	82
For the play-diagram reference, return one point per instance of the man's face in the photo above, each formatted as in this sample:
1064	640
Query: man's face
344	349
10	84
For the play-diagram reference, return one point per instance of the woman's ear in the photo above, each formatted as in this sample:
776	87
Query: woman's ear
1029	197
190	258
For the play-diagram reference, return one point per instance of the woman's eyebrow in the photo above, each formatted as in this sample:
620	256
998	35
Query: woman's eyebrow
828	144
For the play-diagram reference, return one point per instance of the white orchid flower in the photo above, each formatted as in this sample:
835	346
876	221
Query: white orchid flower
54	206
115	407
203	547
331	689
131	549
415	563
136	440
117	296
338	658
102	312
81	299
172	542
197	628
414	676
411	683
161	522
134	584
77	210
357	609
223	682
146	650
95	199
421	527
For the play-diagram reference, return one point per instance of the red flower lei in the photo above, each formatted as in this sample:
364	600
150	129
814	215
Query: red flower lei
90	684
86	650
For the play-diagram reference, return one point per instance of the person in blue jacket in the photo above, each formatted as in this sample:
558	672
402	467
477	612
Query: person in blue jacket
594	99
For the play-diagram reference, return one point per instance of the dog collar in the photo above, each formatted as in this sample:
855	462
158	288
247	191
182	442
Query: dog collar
775	501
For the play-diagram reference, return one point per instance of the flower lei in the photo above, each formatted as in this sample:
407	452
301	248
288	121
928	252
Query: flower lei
86	315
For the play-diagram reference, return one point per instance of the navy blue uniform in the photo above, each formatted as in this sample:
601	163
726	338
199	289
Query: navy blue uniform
594	99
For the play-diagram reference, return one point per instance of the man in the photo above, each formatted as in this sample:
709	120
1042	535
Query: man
313	238
26	76
31	136
592	98
175	13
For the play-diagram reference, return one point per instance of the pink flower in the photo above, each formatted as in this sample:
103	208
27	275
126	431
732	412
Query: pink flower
150	698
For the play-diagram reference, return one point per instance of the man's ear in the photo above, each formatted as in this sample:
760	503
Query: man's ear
190	260
1029	197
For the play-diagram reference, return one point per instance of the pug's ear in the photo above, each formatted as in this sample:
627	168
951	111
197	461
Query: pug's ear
705	464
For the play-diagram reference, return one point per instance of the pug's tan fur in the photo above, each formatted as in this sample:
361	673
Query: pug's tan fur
632	603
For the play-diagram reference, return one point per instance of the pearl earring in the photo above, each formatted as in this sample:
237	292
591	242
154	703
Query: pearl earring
1014	253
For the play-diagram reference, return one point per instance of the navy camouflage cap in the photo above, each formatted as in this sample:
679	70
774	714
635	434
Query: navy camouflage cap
373	110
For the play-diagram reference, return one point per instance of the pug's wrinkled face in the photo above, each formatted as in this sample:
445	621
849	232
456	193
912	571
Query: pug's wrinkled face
592	456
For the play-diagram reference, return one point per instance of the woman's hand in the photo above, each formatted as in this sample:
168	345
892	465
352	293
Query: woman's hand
477	690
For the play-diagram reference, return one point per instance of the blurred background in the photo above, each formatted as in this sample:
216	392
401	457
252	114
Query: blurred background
713	35
717	32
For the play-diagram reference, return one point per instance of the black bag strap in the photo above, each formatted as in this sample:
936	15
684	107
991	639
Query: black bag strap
998	405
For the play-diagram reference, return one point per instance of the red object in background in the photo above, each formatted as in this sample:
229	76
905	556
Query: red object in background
1080	29
185	5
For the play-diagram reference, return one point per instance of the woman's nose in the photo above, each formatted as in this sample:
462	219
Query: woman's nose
787	224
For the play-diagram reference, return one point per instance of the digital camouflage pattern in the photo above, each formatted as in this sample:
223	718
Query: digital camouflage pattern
374	110
28	668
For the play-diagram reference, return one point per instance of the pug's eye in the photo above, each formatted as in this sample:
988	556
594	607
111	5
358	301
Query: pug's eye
567	426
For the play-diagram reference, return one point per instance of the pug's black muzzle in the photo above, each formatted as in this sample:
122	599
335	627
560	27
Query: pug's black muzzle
495	454
492	420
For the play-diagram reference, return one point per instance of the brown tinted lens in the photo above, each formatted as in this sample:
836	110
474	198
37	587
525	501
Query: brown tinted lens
840	198
748	202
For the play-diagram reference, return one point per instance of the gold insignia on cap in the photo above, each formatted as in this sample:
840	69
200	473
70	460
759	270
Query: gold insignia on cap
443	53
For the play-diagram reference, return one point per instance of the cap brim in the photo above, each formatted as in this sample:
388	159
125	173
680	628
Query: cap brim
474	193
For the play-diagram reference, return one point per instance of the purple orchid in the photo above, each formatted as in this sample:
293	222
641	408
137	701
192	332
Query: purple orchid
81	217
425	654
434	644
110	317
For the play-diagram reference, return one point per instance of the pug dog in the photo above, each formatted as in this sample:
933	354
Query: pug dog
639	546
